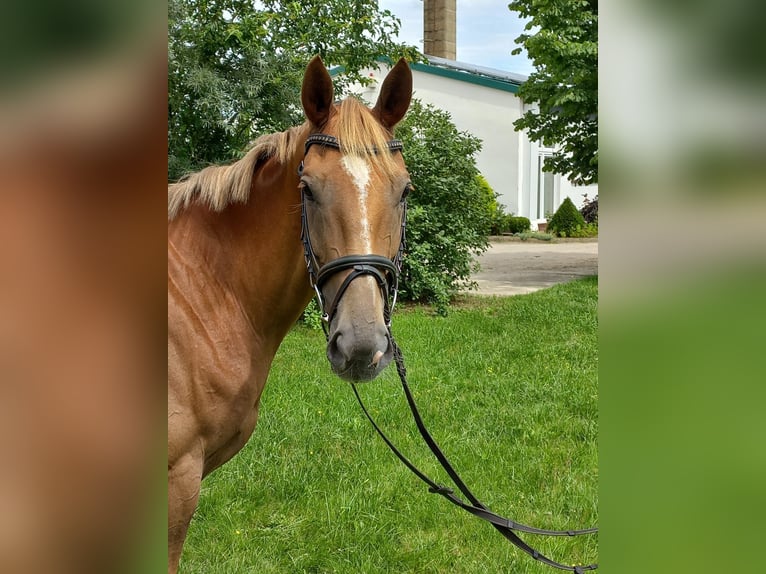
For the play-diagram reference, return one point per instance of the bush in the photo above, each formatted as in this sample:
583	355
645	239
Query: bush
588	230
539	235
494	209
450	210
518	224
589	210
566	220
499	221
312	316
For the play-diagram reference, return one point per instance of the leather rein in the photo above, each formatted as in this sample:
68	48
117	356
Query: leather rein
386	273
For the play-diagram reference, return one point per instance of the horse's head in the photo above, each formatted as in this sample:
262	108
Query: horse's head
354	184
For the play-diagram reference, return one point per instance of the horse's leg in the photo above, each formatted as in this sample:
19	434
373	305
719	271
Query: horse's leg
184	480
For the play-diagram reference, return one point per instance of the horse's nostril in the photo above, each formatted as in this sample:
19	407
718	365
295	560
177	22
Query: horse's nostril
336	351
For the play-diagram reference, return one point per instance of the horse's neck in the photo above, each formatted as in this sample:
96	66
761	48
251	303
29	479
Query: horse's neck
254	251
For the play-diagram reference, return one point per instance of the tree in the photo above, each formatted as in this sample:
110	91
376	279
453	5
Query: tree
564	51
235	70
448	217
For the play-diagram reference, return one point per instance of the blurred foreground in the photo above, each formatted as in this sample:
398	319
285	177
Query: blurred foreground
682	278
82	202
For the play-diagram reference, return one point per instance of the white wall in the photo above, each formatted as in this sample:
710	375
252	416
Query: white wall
562	187
485	113
508	160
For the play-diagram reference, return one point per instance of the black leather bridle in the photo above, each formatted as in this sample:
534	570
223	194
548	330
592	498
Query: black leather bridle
385	271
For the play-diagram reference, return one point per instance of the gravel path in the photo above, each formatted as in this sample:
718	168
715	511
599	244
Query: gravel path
518	267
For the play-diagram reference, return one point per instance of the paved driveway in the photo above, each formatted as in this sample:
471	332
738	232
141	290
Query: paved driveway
518	267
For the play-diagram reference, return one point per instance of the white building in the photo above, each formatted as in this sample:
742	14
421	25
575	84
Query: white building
484	102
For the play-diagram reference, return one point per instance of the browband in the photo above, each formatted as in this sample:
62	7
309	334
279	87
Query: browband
331	141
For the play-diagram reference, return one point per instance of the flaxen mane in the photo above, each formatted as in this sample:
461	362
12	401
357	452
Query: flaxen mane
358	132
218	186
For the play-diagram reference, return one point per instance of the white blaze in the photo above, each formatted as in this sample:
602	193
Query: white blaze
359	170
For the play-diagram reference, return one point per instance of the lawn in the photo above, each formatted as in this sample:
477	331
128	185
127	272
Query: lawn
507	386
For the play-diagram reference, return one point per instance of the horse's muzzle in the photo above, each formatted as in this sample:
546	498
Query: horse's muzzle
358	358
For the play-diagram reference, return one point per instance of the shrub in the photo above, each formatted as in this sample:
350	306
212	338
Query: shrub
566	220
589	210
534	235
494	209
501	223
312	316
587	230
518	224
449	214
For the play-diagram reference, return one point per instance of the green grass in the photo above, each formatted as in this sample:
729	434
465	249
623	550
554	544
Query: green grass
507	386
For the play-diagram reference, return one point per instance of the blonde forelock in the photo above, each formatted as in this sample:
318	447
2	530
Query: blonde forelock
359	133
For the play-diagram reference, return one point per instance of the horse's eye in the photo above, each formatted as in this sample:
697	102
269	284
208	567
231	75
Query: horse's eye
406	192
307	193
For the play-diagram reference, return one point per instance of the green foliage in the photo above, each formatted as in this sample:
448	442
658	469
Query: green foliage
587	230
312	316
518	224
539	235
499	221
235	69
564	51
566	221
449	214
494	209
589	209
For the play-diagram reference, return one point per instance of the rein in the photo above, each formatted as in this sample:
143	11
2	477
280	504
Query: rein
505	526
386	273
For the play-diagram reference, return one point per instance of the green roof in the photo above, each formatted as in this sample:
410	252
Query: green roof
472	76
487	77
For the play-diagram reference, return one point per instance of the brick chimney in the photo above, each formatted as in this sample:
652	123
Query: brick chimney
439	28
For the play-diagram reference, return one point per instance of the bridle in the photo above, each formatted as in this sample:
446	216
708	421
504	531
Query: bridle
386	273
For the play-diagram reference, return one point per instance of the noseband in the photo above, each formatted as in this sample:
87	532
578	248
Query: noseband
385	271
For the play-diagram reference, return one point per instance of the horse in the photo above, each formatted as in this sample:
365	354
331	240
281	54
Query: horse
317	209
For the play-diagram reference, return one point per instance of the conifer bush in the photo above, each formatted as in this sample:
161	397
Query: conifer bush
567	221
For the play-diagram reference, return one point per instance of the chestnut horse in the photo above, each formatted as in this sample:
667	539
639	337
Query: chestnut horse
238	278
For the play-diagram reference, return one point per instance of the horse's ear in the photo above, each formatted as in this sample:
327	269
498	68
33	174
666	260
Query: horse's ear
316	92
395	95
